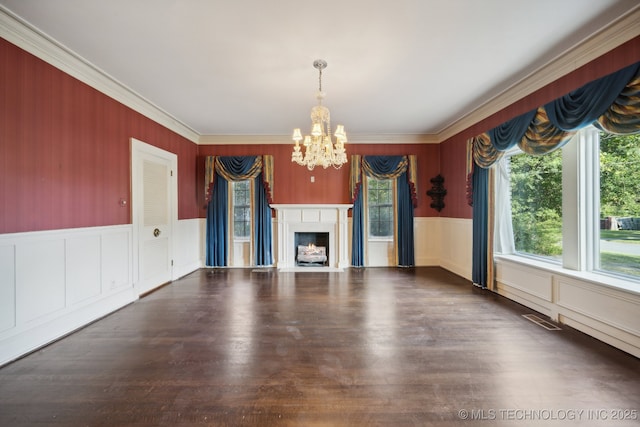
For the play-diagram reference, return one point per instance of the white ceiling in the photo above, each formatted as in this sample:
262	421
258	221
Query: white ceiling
244	67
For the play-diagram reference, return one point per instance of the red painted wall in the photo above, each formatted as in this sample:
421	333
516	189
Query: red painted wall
65	150
293	182
453	150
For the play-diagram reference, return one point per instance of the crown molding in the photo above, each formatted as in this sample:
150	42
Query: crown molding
391	138
618	32
30	39
286	139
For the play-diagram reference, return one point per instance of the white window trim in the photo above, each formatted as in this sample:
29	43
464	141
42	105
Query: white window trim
393	209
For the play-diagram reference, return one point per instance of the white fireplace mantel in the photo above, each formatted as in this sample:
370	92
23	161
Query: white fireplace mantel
312	218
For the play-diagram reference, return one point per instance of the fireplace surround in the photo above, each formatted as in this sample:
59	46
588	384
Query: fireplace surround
312	218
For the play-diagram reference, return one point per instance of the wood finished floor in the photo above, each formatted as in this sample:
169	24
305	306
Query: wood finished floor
370	347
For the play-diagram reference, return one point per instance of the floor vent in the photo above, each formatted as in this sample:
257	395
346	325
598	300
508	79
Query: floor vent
262	270
541	322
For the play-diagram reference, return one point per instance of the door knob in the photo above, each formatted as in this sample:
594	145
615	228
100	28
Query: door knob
156	232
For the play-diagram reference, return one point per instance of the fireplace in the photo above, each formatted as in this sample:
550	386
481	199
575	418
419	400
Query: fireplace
311	249
321	225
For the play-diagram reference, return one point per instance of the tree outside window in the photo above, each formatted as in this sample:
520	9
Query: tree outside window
380	207
536	204
620	203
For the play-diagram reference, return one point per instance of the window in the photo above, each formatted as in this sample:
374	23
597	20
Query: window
579	206
241	209
536	204
380	207
620	204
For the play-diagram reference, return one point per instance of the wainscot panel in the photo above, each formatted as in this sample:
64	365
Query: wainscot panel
456	242
7	287
585	302
189	245
427	240
54	282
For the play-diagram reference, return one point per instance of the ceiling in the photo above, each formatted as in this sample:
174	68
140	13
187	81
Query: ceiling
244	67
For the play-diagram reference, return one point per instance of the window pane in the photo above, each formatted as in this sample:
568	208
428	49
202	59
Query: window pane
374	213
385	195
386	214
374	228
237	229
386	229
536	204
372	197
620	204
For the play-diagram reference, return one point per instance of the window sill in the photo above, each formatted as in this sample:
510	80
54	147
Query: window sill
610	281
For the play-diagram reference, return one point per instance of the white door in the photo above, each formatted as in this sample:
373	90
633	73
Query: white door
154	194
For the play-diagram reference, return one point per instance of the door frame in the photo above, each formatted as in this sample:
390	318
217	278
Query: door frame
138	150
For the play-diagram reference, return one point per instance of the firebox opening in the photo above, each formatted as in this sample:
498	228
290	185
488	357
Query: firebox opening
311	249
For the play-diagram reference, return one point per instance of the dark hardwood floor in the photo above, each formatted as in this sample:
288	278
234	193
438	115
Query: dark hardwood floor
370	347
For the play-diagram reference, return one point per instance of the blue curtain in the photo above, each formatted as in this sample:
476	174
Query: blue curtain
217	223
262	230
406	257
480	226
357	233
237	168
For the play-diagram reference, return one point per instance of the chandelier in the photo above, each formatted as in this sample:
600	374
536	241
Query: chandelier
319	147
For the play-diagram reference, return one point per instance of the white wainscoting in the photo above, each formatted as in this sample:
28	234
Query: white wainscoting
455	246
595	307
189	246
426	236
53	282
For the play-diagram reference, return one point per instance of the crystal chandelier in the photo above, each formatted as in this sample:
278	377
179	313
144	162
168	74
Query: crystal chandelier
319	147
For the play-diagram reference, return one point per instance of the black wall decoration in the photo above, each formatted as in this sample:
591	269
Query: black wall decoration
437	192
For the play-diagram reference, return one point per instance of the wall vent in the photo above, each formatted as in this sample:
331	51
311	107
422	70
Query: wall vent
541	322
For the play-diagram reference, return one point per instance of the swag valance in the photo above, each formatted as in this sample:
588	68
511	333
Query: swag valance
238	168
611	103
384	167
